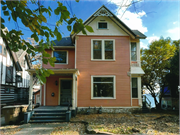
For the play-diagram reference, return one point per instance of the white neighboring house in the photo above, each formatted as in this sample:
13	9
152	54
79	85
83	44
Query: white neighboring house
14	80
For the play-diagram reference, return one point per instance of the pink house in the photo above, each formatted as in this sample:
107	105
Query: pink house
100	69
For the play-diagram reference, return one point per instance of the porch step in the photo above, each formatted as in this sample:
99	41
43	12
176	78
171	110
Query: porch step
45	116
48	117
45	121
50	111
49	114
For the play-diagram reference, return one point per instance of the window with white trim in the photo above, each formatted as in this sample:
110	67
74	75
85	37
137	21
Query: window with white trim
102	25
103	49
133	51
134	88
103	87
61	57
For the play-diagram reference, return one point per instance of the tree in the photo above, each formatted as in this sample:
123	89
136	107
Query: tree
173	77
32	15
155	61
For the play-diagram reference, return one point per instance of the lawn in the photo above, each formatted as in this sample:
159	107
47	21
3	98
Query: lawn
149	123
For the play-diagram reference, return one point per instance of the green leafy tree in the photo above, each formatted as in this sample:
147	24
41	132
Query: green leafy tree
154	62
33	19
173	77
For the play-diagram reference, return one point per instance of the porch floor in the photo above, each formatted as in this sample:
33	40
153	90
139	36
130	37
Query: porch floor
42	108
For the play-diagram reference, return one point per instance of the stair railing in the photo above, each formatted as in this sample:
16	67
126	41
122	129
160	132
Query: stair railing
146	101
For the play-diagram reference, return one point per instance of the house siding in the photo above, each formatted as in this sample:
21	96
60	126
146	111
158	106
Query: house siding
71	60
118	68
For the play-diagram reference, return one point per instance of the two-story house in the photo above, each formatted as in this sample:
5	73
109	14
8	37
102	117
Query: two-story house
98	69
14	80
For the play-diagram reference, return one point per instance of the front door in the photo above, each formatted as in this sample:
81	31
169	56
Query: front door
66	92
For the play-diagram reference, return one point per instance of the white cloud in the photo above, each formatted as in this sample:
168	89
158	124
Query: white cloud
132	20
142	45
174	30
174	22
152	38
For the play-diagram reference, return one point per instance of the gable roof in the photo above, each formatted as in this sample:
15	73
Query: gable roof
14	56
135	34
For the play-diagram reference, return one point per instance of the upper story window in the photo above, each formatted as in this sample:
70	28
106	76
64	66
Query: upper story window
61	57
102	25
102	87
103	49
2	50
133	51
4	53
134	88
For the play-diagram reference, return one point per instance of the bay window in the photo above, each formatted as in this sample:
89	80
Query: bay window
134	88
133	51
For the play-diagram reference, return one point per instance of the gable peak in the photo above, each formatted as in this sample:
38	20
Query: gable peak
103	12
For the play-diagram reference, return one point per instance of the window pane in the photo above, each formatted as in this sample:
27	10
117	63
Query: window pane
97	50
103	79
103	89
4	51
60	56
108	49
134	88
0	49
133	51
102	25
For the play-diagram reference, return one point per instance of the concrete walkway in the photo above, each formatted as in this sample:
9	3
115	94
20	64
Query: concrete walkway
38	129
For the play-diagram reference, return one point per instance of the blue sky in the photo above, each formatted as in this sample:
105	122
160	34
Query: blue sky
154	18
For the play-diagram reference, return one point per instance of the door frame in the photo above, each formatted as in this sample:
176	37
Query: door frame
59	99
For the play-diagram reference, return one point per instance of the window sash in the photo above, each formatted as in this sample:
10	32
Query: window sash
106	52
62	54
102	25
103	89
133	51
134	88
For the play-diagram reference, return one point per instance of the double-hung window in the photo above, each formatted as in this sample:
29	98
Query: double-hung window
134	88
103	87
61	57
133	51
102	49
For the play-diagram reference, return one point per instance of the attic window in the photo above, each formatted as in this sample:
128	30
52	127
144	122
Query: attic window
102	25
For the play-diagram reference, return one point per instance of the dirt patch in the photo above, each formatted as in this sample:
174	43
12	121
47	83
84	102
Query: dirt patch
132	123
70	129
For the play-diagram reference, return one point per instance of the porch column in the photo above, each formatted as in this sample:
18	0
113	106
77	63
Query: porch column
30	92
73	93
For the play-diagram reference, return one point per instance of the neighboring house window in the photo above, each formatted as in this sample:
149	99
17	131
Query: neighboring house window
103	87
0	49
61	57
102	25
9	74
133	51
103	50
4	53
134	88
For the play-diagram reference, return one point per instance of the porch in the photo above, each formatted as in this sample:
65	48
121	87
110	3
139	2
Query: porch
58	96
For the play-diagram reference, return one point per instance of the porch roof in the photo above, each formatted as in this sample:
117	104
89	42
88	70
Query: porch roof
137	70
57	71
